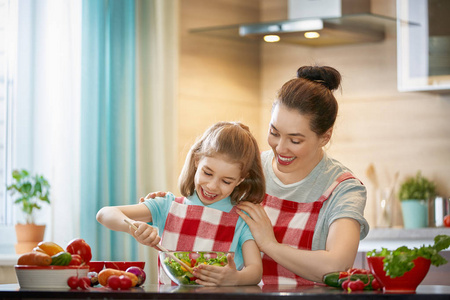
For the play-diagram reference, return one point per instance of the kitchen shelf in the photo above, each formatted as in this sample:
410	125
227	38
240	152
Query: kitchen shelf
393	238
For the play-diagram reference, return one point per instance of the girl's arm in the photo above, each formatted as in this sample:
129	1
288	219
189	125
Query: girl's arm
226	276
113	217
339	255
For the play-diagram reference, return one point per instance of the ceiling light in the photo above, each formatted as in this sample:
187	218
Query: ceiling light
271	38
311	35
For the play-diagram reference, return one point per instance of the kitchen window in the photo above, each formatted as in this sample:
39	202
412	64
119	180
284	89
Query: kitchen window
8	50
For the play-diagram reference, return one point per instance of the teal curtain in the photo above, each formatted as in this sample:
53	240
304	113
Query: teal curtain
108	127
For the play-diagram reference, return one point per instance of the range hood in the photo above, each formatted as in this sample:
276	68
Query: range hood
336	21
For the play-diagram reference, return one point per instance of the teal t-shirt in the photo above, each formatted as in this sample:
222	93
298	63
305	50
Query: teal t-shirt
160	206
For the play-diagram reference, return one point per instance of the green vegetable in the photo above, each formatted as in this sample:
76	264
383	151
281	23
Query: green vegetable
399	261
61	259
183	275
332	279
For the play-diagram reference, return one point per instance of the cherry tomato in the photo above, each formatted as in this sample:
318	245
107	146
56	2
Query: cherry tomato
114	282
84	283
125	282
72	282
447	221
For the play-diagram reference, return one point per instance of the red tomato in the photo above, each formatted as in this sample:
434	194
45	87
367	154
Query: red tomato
84	283
72	282
80	247
447	221
114	282
76	260
125	282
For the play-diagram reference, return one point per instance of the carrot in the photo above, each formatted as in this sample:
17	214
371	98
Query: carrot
35	258
106	273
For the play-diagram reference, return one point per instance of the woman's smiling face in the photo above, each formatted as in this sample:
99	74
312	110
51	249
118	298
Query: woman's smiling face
216	178
297	149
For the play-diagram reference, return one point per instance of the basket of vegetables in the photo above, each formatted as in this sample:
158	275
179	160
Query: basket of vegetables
403	269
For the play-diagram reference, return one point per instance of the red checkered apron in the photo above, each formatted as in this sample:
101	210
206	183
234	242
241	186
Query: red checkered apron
294	225
197	228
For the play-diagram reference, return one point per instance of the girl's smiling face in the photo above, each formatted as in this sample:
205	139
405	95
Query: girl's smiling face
216	178
297	149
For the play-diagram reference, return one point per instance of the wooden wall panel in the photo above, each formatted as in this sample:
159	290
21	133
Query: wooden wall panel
219	79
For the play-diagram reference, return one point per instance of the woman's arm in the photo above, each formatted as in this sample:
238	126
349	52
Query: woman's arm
227	276
339	255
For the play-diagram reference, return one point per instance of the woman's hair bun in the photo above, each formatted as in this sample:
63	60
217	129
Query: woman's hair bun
327	76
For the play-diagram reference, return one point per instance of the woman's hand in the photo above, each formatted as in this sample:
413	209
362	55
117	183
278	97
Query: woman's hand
145	234
259	223
208	275
152	196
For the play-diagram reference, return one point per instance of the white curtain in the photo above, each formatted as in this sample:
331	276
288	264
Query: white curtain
157	61
46	120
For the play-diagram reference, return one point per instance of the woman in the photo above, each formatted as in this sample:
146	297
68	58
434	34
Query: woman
312	218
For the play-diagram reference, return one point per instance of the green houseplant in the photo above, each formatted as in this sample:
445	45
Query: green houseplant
30	191
414	193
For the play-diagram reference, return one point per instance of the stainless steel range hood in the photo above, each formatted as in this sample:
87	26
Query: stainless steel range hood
337	21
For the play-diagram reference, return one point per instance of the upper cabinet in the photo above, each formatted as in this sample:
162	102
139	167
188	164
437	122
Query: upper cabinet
423	37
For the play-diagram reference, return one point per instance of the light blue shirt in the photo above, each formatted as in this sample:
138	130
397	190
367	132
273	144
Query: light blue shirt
160	206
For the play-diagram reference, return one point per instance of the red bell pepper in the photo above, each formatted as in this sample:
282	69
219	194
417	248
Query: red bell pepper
80	247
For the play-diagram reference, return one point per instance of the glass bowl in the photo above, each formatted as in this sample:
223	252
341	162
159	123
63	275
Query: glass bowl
178	274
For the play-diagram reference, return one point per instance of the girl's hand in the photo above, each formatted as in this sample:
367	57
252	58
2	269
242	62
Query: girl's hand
145	234
208	275
259	223
152	196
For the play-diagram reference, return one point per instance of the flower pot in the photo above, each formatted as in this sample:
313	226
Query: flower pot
404	284
415	213
28	236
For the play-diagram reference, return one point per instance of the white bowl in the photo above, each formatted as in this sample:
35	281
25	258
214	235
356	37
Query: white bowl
49	277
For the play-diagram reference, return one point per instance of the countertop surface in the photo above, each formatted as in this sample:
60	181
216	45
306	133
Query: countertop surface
153	291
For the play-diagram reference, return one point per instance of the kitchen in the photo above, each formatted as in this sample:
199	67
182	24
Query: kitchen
226	79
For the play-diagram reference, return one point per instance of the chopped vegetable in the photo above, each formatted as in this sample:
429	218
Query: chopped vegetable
182	274
399	261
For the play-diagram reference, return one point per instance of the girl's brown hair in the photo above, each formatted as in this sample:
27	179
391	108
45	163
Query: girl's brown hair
236	143
311	93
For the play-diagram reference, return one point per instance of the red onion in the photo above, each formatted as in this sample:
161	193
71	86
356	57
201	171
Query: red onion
139	273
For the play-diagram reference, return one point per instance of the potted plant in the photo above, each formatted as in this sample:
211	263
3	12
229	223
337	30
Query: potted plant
31	191
414	194
403	269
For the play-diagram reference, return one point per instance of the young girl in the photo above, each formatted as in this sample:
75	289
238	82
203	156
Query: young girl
222	168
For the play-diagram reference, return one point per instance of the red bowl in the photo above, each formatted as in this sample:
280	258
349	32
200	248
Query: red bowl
404	284
96	266
124	265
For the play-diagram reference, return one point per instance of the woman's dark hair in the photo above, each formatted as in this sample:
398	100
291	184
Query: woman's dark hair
311	94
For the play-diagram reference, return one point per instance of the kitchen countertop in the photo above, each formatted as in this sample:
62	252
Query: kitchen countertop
153	291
